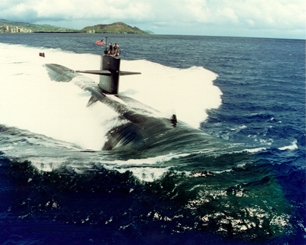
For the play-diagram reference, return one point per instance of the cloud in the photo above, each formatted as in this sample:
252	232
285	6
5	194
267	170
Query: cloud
17	11
251	13
165	16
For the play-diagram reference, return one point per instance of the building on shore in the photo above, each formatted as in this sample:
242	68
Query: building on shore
14	29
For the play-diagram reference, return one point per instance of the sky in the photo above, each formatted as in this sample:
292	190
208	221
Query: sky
242	18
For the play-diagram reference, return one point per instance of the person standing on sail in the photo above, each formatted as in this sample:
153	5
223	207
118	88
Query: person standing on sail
116	49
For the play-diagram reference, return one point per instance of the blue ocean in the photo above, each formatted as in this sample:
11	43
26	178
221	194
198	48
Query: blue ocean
235	173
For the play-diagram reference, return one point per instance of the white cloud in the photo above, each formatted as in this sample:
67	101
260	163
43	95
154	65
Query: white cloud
165	16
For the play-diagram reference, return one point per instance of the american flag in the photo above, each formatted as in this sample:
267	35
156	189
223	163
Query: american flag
100	42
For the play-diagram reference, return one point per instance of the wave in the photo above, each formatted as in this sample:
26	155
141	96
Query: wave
291	147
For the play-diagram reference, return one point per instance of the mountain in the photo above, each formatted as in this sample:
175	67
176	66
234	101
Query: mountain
22	27
117	27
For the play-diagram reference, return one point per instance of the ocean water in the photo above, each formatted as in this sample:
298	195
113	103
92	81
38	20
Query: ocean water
236	176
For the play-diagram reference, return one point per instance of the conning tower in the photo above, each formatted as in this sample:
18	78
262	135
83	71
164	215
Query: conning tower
109	73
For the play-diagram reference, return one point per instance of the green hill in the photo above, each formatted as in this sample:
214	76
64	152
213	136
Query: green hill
117	27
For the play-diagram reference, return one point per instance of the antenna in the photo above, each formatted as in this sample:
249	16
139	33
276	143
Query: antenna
105	50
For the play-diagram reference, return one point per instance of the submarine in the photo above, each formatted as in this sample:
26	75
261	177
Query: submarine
141	126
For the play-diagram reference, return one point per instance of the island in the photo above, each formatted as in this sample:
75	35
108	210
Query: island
117	27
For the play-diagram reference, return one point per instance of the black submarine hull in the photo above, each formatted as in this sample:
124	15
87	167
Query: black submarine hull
142	126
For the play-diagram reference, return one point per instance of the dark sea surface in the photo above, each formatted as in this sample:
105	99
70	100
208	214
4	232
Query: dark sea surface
239	180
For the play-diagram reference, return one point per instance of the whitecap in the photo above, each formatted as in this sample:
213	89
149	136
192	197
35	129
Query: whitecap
291	147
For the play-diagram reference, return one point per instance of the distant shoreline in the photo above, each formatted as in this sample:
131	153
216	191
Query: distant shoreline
77	32
114	28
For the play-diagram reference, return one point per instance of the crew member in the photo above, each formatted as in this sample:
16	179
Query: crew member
116	49
173	120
